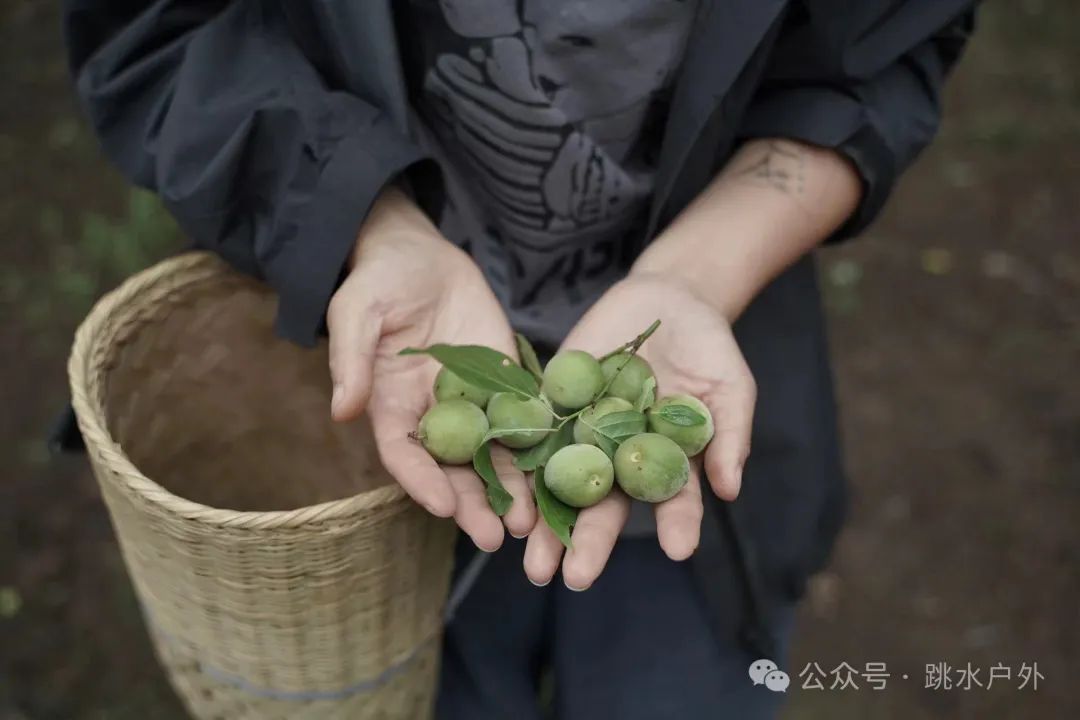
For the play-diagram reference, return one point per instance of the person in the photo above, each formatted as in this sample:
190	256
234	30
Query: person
417	172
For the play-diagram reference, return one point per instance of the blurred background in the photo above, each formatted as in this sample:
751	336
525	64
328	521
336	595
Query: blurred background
955	326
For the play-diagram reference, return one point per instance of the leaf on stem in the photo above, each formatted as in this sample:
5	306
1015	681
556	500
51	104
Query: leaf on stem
680	415
503	432
606	444
648	395
611	429
538	455
528	356
620	425
559	516
499	498
484	367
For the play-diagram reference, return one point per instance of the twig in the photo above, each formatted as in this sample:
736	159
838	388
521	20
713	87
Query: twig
631	348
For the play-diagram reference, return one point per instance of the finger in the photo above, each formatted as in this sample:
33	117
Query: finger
354	333
732	409
678	520
473	513
595	532
543	551
408	462
521	517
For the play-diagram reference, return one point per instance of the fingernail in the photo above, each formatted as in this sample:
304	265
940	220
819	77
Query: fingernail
515	536
543	584
335	398
571	588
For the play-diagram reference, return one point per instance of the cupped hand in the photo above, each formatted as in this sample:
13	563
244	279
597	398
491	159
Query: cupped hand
409	287
692	352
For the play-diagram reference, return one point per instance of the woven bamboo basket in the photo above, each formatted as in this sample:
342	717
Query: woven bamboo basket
282	573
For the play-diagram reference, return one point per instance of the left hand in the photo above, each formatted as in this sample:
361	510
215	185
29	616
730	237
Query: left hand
692	352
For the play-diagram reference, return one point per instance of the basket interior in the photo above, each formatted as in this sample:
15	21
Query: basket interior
206	401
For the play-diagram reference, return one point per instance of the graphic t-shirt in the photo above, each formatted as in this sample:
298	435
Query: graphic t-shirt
546	116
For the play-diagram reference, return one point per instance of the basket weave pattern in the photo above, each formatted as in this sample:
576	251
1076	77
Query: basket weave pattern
320	595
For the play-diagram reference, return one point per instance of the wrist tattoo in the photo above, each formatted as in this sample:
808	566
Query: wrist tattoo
780	166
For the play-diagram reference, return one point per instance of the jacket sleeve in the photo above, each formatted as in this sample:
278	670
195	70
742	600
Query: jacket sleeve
865	79
212	105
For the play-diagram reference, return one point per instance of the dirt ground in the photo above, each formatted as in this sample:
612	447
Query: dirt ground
956	332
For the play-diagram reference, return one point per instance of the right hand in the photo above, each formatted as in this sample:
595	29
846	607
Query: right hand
408	286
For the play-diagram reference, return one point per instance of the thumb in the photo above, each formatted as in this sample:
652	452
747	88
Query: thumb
354	334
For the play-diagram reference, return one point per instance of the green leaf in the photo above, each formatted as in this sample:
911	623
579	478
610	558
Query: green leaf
680	415
503	432
498	496
620	425
559	516
606	444
484	367
538	455
528	356
648	395
611	429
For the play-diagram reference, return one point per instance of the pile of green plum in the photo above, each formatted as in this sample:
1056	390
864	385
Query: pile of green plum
582	424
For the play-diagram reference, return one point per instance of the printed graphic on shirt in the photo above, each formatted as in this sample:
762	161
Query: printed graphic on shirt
546	101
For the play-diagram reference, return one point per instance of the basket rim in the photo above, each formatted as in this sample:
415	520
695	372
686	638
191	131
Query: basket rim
176	274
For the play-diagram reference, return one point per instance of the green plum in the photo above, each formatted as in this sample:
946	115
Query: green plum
604	406
572	379
651	467
628	381
508	411
579	475
692	439
450	386
452	430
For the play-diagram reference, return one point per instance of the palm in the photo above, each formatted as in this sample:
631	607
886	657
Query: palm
397	299
402	383
692	352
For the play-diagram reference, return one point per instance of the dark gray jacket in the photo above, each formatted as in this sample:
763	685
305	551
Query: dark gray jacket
268	127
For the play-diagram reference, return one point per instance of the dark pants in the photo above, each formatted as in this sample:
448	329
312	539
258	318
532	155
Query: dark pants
633	646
